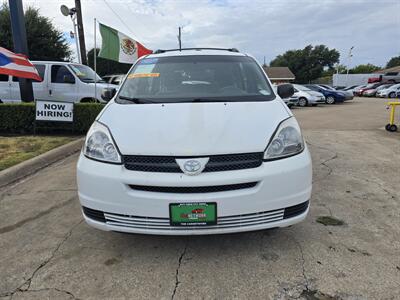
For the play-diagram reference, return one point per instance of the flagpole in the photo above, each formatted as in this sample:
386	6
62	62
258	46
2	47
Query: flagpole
95	63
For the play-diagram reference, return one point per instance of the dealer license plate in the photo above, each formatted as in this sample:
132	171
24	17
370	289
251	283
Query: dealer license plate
193	214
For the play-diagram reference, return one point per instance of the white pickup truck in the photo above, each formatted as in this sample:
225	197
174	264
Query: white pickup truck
62	81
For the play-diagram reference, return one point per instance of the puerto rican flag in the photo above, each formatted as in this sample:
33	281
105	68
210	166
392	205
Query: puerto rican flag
17	65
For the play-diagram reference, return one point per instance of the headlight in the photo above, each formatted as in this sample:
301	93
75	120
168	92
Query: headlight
99	144
287	141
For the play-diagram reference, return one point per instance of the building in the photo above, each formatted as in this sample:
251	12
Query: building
393	69
279	74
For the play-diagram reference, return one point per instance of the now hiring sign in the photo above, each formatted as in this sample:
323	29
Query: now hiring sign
54	111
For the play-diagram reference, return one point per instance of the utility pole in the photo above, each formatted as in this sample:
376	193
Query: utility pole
180	39
348	63
20	45
81	33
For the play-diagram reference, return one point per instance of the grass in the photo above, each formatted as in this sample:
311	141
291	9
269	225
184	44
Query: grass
15	149
330	221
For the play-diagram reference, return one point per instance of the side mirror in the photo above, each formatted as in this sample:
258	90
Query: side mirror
108	93
285	90
69	79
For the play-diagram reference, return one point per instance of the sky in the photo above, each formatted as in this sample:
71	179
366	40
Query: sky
262	28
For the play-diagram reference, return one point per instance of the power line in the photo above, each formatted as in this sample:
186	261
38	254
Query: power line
119	18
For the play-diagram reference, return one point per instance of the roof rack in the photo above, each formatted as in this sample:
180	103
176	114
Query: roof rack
197	49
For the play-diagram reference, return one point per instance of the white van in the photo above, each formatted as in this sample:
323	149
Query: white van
195	142
62	81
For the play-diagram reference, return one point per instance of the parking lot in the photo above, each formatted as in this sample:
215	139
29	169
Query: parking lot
348	247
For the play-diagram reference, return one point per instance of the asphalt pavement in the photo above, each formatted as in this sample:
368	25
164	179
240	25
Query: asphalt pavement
348	247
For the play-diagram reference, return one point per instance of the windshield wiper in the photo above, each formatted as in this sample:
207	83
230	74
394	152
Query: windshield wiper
136	100
208	100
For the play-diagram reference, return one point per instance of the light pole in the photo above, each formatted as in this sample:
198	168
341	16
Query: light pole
348	63
72	13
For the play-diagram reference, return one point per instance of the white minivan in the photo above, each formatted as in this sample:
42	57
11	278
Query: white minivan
62	81
195	142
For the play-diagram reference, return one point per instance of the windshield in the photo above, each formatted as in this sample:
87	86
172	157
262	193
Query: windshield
302	88
385	86
85	73
196	78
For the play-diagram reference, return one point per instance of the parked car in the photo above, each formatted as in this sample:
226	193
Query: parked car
289	101
359	91
114	79
195	130
331	96
389	77
62	81
307	96
390	92
346	88
349	95
372	91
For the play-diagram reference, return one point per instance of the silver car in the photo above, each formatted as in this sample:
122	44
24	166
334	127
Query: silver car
389	92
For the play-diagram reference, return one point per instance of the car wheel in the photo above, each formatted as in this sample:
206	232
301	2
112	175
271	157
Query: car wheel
303	102
330	100
392	95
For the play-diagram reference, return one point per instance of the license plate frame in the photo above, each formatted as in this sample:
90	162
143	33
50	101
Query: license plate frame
189	214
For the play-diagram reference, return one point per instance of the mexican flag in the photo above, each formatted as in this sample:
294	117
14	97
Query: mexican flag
120	47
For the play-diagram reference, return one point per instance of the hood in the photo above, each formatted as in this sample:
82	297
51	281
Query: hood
190	129
103	85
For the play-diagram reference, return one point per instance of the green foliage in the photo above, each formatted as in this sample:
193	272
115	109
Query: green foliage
106	66
307	64
20	118
393	62
45	42
17	117
364	69
84	115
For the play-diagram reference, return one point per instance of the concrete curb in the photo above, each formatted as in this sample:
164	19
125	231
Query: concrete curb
39	162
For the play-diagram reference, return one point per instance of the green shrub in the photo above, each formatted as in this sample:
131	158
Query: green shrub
84	116
17	118
20	118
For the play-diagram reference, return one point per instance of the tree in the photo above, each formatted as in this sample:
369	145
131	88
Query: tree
106	66
364	69
45	42
393	62
307	64
341	69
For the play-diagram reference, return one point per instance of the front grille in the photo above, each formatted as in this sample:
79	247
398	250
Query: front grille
193	189
216	163
94	214
234	221
295	210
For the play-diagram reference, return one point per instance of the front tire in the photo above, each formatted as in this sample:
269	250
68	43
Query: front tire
303	102
392	95
330	100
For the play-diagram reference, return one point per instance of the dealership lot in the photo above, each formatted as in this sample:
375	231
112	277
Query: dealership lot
47	251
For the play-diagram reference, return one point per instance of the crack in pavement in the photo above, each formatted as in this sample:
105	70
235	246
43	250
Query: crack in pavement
28	281
38	192
35	217
324	163
49	289
177	282
303	261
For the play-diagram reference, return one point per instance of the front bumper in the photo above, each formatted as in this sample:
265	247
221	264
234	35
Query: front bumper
281	185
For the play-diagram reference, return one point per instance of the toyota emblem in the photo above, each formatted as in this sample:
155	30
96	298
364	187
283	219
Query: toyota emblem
192	166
